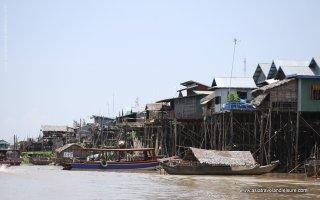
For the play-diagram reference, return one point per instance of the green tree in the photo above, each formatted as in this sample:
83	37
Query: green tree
232	97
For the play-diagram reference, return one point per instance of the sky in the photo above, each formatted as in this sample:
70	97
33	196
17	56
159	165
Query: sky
65	60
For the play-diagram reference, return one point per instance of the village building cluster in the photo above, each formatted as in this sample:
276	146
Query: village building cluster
275	114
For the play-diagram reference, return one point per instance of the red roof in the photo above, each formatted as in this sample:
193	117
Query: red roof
97	149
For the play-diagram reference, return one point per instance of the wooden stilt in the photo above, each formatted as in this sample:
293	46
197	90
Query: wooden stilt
297	140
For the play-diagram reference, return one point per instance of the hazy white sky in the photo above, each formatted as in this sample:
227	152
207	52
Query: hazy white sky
63	60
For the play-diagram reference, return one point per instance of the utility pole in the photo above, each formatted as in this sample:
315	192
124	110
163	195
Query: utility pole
235	40
5	37
113	105
244	67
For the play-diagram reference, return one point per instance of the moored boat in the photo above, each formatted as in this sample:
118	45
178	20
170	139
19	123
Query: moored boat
38	157
312	168
110	159
10	162
212	162
40	161
12	159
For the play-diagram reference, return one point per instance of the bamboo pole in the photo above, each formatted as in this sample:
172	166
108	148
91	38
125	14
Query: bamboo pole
297	140
231	128
261	140
269	138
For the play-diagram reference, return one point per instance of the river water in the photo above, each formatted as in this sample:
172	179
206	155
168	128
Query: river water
31	182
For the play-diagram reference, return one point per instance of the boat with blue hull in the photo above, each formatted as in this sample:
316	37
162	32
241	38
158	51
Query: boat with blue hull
113	165
114	159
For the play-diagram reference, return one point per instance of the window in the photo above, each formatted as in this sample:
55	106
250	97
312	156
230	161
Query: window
242	95
217	99
315	92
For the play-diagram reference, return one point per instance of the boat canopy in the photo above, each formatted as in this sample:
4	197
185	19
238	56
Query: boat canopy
127	150
220	158
45	153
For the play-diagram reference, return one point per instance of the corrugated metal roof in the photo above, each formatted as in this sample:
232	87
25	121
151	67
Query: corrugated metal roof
265	67
156	106
299	70
317	60
207	98
315	66
187	88
272	72
292	67
174	98
4	142
291	63
213	157
236	82
270	81
202	92
59	150
106	118
305	76
257	73
56	128
191	83
262	68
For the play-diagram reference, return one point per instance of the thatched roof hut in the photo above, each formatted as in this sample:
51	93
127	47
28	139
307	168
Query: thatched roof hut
67	152
220	158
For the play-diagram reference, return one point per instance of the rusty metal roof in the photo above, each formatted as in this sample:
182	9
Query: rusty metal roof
192	83
47	128
59	150
214	157
157	106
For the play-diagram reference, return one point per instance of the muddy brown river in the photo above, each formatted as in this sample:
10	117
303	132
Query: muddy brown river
50	182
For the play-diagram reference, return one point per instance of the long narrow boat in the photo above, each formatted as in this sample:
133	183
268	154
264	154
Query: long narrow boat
40	161
112	159
9	160
216	170
211	162
38	157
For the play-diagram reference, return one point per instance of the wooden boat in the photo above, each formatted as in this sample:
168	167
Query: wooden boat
312	168
9	160
113	159
40	161
38	157
216	170
211	162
